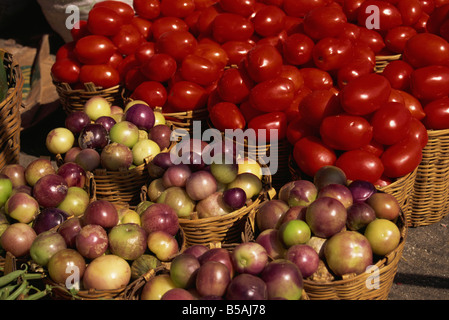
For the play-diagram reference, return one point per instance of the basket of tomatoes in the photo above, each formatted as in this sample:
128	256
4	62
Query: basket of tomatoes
11	83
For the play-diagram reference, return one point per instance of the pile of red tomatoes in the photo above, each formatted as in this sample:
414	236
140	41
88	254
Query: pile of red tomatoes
303	67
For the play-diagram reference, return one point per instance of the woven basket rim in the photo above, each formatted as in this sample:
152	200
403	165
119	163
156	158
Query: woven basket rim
89	87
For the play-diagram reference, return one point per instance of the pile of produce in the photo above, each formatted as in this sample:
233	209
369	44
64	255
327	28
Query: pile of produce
110	137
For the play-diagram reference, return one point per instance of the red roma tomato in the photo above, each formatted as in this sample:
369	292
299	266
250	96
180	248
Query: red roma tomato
430	83
94	49
226	115
365	94
418	131
410	10
264	123
401	158
311	154
249	111
104	21
66	70
299	9
127	39
144	26
363	53
299	128
79	30
318	105
351	71
345	132
178	44
241	7
144	52
372	38
164	24
263	62
272	95
102	75
292	73
133	78
160	67
205	21
389	15
186	96
413	105
332	53
234	85
391	123
396	96
199	70
212	52
147	9
293	110
350	8
436	18
269	21
115	60
437	114
425	49
374	147
316	79
177	8
237	50
152	92
325	21
297	49
360	165
124	10
66	51
397	37
398	74
230	26
128	63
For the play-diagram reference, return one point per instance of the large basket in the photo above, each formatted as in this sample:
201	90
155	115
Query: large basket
185	120
401	188
374	285
10	120
384	60
75	99
430	197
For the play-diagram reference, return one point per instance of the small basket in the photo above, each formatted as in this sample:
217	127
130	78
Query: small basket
75	99
430	197
383	61
10	120
185	120
361	287
401	188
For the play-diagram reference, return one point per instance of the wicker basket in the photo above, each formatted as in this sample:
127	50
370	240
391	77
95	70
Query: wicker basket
75	99
430	197
362	286
10	120
185	120
401	188
383	61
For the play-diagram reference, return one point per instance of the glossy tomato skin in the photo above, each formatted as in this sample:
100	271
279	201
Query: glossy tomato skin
164	24
316	79
176	8
152	92
272	95
147	9
242	7
365	94
269	21
425	49
391	123
79	30
104	21
144	52
94	49
430	83
101	75
351	71
186	96
143	25
124	10
346	132
227	115
176	43
311	154
237	50
319	104
413	105
230	26
127	39
331	53
263	62
66	70
299	128
397	37
213	52
401	158
325	21
372	38
199	70
360	165
437	114
299	9
411	11
418	131
398	74
292	73
263	123
234	85
297	49
389	15
159	67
